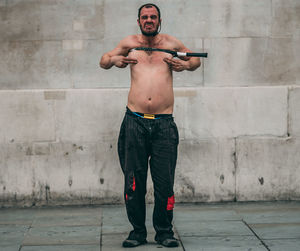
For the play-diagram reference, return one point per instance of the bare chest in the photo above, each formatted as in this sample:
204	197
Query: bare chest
148	58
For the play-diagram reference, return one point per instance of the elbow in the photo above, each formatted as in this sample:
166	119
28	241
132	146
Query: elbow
103	65
199	64
195	66
104	62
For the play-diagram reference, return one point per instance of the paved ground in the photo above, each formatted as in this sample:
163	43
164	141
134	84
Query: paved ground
218	227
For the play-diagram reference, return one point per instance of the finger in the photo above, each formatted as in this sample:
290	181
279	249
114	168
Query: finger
170	63
167	60
130	61
174	62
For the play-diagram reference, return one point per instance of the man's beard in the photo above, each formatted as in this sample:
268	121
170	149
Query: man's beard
149	34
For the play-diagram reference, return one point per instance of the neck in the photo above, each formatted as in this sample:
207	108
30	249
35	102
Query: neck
150	41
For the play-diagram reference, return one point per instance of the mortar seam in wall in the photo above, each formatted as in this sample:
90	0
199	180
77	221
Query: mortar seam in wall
203	64
271	15
55	120
49	40
288	112
100	39
235	168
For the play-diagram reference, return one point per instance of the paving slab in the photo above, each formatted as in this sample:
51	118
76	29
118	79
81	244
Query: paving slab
67	211
14	247
67	220
62	248
230	243
283	244
115	221
260	226
205	214
17	216
75	235
277	230
68	216
212	228
279	215
12	235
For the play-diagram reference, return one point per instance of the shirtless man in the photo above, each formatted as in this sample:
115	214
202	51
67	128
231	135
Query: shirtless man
148	132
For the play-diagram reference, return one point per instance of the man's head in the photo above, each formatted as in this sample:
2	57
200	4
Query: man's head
149	19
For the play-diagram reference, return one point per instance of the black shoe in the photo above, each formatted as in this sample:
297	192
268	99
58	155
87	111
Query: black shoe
133	243
169	242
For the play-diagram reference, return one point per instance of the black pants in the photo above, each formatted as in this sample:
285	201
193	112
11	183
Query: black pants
154	141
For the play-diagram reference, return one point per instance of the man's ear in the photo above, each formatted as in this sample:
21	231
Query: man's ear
138	22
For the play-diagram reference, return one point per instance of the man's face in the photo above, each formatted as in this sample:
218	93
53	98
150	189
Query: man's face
149	21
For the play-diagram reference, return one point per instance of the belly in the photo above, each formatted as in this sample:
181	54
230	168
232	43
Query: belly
151	89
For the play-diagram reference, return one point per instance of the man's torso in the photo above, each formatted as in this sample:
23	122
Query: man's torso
151	79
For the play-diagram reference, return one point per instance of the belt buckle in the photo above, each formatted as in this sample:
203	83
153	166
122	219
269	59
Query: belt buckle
149	116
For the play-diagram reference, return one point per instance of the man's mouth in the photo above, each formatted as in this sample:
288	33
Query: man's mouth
149	26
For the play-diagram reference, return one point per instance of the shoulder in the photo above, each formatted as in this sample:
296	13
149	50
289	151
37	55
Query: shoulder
129	41
172	41
169	38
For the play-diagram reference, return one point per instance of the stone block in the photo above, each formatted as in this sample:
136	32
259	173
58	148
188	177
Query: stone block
205	171
120	22
34	65
267	169
285	18
26	117
93	115
250	61
230	112
79	172
52	20
296	41
86	72
15	173
230	18
58	64
294	112
67	173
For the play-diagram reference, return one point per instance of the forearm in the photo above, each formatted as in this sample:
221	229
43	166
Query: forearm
192	64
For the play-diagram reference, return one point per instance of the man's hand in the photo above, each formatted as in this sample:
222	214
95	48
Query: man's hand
122	62
177	64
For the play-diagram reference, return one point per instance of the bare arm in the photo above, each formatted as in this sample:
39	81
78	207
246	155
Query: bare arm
184	63
118	56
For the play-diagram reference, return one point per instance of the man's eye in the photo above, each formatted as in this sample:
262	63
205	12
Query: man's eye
144	17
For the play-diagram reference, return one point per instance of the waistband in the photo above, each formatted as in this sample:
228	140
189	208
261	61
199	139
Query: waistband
147	115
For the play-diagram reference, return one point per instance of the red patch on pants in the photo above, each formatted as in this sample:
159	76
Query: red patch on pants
171	202
133	185
133	188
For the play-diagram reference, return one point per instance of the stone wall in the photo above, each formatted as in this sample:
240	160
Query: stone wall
238	115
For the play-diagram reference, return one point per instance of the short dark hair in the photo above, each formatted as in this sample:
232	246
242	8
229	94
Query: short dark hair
148	5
